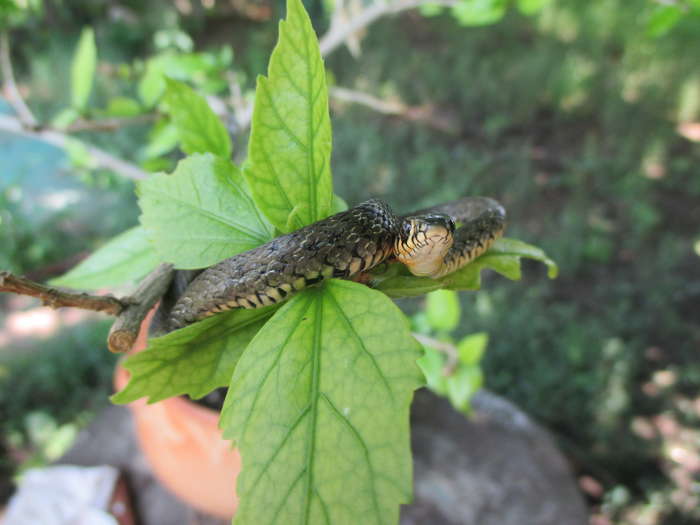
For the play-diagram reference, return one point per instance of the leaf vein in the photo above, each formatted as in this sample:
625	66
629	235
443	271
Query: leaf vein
351	329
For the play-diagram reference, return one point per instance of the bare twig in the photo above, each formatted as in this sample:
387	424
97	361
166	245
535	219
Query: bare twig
125	329
426	113
102	158
338	33
14	97
130	311
57	298
387	107
106	124
446	348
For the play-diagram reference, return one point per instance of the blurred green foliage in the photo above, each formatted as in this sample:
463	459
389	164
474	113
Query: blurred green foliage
49	388
570	116
452	369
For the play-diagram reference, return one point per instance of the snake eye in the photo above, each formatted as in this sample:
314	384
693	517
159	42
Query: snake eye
406	228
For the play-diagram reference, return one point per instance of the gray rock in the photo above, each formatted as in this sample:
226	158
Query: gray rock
497	468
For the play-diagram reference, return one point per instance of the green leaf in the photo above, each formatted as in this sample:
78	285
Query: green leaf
202	213
65	118
126	258
479	12
430	9
199	129
83	69
338	204
442	309
503	257
152	84
318	406
462	385
162	139
396	281
432	365
193	360
123	107
530	7
289	152
663	19
471	349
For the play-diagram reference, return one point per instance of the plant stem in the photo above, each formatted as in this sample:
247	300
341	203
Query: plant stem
125	329
58	298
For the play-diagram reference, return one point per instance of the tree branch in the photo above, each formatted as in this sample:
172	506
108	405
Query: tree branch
130	311
126	328
57	298
14	97
106	124
338	33
426	113
102	158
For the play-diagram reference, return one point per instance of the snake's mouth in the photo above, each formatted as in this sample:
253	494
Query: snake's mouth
423	243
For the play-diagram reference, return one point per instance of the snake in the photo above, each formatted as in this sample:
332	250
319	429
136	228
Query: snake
432	242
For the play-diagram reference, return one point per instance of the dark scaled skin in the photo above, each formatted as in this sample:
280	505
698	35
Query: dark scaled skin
340	246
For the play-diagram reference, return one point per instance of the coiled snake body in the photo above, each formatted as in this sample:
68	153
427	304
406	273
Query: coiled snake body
427	241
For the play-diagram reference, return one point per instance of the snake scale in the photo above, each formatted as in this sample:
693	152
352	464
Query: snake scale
427	241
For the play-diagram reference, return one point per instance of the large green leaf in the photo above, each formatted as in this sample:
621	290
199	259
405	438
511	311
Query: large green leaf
83	69
289	152
503	257
193	360
202	213
199	129
126	258
318	406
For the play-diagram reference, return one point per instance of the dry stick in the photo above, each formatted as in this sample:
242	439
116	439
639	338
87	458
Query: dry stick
58	298
14	97
130	311
441	121
387	107
61	140
446	348
338	34
126	328
107	124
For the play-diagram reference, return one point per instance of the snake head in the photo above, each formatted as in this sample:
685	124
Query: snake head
423	242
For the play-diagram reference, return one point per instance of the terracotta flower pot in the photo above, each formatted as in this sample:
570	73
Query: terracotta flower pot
183	445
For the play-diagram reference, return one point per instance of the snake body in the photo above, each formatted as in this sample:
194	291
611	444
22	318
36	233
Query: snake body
343	245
